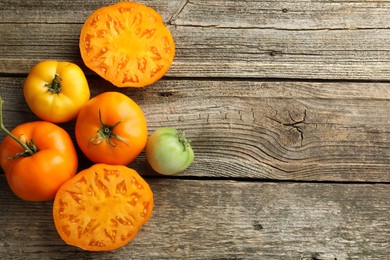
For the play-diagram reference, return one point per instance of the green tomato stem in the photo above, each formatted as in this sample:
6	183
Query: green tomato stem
55	86
29	147
183	140
106	133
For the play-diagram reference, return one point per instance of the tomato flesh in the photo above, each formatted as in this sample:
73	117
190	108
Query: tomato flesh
102	208
127	44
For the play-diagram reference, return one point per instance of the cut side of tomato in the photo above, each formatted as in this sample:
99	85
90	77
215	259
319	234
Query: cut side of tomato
102	208
127	44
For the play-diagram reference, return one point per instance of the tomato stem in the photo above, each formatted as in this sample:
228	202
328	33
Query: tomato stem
55	86
29	147
106	133
183	140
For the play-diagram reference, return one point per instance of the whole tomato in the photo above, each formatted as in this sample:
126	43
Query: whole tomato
111	128
168	151
37	158
55	91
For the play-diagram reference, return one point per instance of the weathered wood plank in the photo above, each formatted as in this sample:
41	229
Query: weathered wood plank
284	15
46	11
251	129
224	220
343	14
226	38
241	128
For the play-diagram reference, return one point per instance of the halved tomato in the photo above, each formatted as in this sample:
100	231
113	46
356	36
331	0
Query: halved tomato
102	208
127	44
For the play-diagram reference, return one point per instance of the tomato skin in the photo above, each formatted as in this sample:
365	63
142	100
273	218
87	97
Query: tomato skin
129	124
39	176
168	152
54	104
102	208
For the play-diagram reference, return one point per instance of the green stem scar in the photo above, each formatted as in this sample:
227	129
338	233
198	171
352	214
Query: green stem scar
29	147
55	86
106	133
183	140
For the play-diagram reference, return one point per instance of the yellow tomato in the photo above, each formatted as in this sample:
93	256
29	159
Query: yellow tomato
55	91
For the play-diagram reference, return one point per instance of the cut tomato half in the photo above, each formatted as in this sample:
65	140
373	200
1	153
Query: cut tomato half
102	208
127	44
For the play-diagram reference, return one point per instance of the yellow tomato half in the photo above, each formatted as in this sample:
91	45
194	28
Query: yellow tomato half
55	91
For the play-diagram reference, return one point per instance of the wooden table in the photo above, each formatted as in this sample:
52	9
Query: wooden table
286	104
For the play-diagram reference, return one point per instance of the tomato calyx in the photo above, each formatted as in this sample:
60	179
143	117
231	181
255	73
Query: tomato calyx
55	86
106	133
183	140
29	146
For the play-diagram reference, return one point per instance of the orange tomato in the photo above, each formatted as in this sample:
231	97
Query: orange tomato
127	44
102	208
37	174
111	128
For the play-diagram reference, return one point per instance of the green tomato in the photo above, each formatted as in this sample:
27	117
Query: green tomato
168	152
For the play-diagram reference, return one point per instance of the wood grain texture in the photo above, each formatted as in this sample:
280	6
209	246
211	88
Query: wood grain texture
224	220
270	39
287	107
261	130
342	14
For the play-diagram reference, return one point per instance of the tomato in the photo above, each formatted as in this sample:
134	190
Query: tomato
102	208
127	44
37	158
55	91
111	128
168	151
